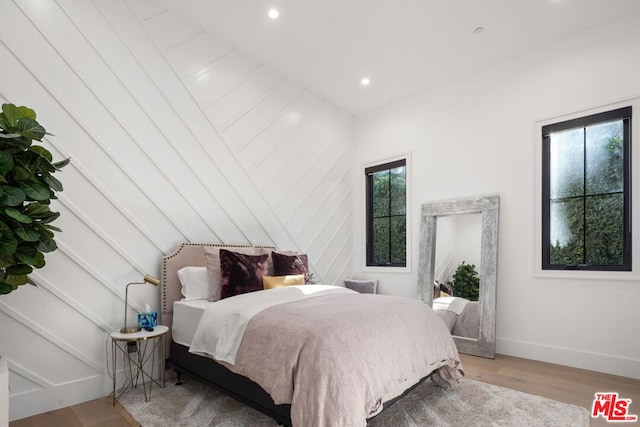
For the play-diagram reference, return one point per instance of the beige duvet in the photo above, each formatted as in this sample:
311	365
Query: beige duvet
336	358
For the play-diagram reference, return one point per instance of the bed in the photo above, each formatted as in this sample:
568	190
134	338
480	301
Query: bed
297	356
461	315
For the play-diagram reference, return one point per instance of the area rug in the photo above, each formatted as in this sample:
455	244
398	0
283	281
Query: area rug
471	404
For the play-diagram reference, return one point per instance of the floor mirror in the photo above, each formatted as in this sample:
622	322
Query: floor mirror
457	269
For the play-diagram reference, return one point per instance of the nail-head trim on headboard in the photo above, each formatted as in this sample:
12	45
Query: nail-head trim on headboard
186	254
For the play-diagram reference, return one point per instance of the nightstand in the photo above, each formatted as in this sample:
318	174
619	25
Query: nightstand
137	350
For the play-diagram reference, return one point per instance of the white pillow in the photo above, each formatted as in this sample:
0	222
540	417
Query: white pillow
196	284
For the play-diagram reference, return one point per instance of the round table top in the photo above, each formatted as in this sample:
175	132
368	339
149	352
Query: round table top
141	335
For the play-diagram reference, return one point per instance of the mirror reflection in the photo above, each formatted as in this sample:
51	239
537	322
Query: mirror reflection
457	282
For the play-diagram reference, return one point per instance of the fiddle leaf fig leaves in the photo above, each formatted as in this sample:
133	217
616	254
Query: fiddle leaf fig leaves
11	196
47	245
19	269
30	129
52	227
12	114
53	182
27	186
62	163
27	234
18	216
35	190
27	112
17	280
8	241
42	152
38	210
6	162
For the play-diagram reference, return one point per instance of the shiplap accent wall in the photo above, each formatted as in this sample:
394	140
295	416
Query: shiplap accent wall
174	136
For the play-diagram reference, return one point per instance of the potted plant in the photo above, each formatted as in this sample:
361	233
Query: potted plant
466	282
27	186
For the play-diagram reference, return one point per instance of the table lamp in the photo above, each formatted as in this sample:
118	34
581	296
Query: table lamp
147	279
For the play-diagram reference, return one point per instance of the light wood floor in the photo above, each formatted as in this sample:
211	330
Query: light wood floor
569	385
557	382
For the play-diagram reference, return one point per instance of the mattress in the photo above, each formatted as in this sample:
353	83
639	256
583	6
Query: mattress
186	316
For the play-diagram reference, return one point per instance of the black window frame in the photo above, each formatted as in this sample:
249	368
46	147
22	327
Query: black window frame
623	114
369	171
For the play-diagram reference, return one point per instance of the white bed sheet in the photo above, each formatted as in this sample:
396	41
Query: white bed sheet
186	316
222	326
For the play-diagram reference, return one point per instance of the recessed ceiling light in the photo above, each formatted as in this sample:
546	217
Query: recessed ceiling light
478	30
365	81
274	14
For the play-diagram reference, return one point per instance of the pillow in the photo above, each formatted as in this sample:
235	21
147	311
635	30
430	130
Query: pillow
196	284
270	282
271	269
440	288
241	273
362	286
446	288
284	265
212	262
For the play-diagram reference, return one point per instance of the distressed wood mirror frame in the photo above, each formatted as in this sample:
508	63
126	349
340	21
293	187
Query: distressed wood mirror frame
488	207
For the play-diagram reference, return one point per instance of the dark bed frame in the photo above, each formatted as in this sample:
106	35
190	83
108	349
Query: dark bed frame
233	385
205	369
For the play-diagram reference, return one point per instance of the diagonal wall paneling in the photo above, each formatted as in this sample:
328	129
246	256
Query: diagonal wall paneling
174	135
278	134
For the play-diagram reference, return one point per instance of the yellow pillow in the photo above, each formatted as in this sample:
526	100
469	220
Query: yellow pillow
269	282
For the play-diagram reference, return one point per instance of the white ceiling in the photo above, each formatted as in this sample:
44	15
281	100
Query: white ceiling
403	46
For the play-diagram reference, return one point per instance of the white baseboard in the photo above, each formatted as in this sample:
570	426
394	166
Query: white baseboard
41	400
47	399
607	363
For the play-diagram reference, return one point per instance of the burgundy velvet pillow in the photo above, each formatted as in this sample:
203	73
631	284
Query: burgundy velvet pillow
285	265
241	273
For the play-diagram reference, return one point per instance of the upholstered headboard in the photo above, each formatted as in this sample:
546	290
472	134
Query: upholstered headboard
187	254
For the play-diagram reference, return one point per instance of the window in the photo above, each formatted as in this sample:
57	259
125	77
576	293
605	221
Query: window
387	214
586	191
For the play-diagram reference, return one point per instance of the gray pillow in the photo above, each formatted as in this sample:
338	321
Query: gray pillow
362	286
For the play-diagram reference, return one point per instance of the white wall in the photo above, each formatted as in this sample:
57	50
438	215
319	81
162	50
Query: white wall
476	136
174	136
468	239
458	239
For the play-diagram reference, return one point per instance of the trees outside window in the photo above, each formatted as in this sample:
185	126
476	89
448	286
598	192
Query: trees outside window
387	214
586	193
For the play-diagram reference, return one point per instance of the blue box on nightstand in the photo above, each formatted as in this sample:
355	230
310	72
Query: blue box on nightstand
149	319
